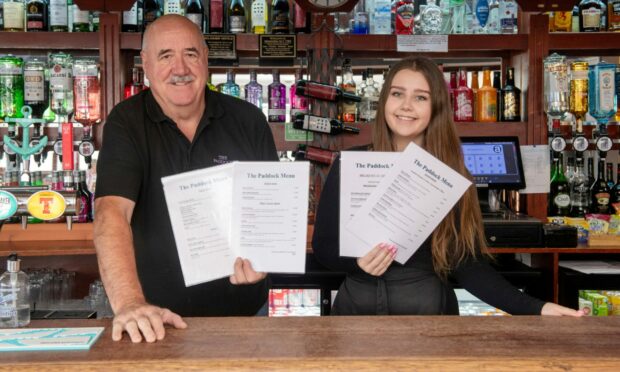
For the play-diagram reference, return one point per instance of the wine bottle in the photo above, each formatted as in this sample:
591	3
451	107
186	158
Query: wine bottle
322	125
236	17
559	194
280	15
323	92
194	11
600	191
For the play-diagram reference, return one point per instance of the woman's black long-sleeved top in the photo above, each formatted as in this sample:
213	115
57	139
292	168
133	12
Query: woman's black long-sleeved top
474	274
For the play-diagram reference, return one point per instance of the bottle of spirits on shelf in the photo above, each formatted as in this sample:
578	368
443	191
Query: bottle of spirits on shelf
136	85
151	11
556	85
194	11
487	99
321	125
59	15
562	21
14	15
508	16
381	18
277	99
61	85
559	193
35	87
236	17
254	91
216	15
510	98
301	19
592	16
370	99
404	16
81	19
602	91
463	99
324	92
579	193
260	13
299	104
348	109
497	84
474	90
230	87
360	19
280	16
574	26
130	19
11	87
493	25
600	191
578	102
173	7
613	15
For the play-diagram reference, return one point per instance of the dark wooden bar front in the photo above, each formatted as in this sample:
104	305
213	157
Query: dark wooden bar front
351	343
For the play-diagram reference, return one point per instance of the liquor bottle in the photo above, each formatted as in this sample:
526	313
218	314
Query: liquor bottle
578	103
487	99
136	85
315	154
480	16
591	178
94	22
493	24
299	104
360	19
615	190
14	295
260	16
463	99
61	84
14	15
86	93
381	18
194	11
579	193
510	98
254	91
508	16
230	87
370	99
559	193
592	15
574	27
602	91
85	213
210	85
613	15
280	15
36	16
301	19
458	15
216	16
277	99
404	16
497	84
600	191
348	109
35	92
321	125
173	7
11	87
236	17
610	175
556	85
323	92
431	18
452	87
130	19
81	19
474	90
562	21
151	10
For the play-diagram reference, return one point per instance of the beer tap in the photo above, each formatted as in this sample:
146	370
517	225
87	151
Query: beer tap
87	96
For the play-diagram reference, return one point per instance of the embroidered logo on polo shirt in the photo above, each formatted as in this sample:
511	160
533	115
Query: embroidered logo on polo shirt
221	159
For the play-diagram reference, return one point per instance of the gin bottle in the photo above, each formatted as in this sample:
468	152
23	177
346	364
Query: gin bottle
508	10
277	99
299	104
254	91
370	99
602	91
382	17
431	18
61	84
493	22
458	13
230	87
556	85
11	87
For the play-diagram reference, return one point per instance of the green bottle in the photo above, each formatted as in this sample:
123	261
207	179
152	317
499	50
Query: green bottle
11	86
559	195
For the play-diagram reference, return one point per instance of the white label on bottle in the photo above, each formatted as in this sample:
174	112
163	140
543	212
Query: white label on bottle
80	16
317	124
60	77
382	17
196	18
173	7
580	75
237	24
508	15
258	13
7	69
14	15
591	18
130	17
34	85
607	90
8	312
562	200
58	13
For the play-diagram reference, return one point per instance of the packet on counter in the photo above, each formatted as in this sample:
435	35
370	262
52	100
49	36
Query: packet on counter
598	224
582	228
614	224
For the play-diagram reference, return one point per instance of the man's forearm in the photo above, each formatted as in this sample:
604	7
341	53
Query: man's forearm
115	256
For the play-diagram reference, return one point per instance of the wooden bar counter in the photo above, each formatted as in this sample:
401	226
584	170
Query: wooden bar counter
351	343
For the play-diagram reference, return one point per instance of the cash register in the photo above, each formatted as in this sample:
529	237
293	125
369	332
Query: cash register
495	164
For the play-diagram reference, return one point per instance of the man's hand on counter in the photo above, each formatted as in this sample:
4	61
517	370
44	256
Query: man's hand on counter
244	273
557	310
144	321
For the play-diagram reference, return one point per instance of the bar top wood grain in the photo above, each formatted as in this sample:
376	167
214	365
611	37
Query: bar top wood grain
351	343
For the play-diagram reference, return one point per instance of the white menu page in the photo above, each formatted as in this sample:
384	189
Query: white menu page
253	210
409	203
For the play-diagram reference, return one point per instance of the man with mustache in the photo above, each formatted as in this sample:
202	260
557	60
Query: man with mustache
176	126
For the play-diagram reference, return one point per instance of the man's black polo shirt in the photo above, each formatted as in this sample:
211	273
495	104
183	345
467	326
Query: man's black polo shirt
140	146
